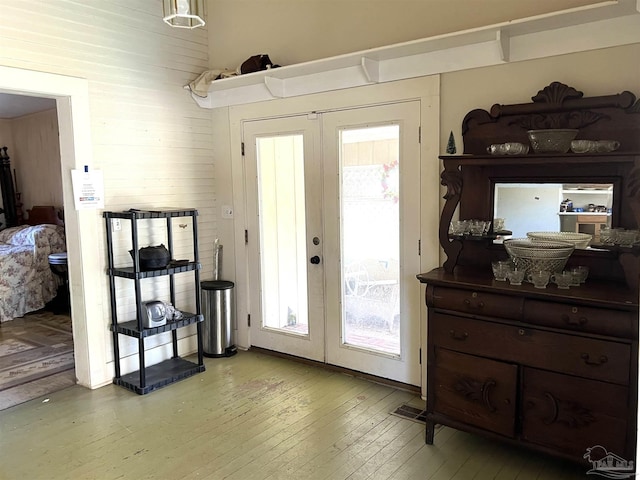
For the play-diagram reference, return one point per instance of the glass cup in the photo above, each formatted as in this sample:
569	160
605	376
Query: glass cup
583	146
582	271
575	277
540	278
515	276
607	236
477	227
498	224
607	145
458	227
500	270
562	279
626	238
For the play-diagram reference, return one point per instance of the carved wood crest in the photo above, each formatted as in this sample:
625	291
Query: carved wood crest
610	117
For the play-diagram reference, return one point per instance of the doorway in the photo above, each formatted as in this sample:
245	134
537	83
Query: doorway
333	215
82	234
36	346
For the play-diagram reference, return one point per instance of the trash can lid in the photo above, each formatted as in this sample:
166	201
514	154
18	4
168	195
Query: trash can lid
216	285
58	258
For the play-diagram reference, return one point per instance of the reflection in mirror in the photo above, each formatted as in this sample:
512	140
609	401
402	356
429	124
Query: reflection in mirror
553	207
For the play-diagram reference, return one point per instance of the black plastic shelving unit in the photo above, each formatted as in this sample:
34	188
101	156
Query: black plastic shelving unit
147	379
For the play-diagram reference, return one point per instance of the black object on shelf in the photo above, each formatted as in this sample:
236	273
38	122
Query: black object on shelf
149	378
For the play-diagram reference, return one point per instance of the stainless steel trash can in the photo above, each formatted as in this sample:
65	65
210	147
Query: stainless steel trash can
217	308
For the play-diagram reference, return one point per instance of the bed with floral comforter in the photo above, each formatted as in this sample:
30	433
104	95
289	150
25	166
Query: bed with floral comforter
26	280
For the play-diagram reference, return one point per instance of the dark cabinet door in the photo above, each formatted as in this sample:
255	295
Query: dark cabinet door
572	414
475	390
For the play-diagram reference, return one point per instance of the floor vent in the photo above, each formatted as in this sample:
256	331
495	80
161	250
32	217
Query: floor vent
410	413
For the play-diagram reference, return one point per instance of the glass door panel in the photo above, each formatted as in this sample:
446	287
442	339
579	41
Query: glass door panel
369	183
283	233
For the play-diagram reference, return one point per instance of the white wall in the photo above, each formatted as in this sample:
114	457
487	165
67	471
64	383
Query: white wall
152	142
597	72
295	31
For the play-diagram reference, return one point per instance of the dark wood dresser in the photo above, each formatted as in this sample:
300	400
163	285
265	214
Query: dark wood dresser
551	369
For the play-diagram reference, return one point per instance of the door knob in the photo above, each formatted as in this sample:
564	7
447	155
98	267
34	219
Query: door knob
315	259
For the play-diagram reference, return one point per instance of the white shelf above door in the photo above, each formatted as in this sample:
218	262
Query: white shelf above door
603	25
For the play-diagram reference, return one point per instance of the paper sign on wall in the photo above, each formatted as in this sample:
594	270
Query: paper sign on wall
88	188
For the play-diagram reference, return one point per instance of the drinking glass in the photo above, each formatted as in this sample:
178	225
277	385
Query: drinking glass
540	278
562	279
500	270
582	272
515	276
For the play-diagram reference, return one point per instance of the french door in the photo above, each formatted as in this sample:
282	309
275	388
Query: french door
284	218
333	199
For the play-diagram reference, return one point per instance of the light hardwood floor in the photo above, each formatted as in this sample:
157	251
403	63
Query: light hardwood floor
252	416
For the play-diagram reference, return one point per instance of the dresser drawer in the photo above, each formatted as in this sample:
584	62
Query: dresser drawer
476	391
582	319
572	414
474	302
586	357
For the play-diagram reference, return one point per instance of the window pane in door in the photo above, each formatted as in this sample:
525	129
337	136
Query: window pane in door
283	255
370	226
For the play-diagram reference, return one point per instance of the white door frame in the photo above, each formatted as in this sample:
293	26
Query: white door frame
81	227
425	89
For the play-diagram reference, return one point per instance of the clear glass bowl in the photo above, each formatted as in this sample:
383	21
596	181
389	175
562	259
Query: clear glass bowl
553	140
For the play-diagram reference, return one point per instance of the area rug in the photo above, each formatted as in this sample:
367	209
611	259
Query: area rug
36	357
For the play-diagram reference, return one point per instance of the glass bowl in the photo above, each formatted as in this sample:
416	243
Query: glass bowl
553	140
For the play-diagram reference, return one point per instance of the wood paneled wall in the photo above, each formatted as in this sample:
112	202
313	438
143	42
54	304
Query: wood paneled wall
150	139
35	157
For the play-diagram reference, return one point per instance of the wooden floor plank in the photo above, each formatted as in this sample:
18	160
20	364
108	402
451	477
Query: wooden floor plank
252	416
324	463
322	434
292	419
412	434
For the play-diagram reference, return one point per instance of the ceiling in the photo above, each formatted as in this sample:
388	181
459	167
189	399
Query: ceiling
12	106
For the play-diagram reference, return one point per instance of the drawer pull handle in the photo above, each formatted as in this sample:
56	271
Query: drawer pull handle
467	302
554	409
458	336
601	361
485	394
576	322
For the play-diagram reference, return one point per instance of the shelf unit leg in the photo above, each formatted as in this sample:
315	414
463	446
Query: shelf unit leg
200	346
174	338
143	380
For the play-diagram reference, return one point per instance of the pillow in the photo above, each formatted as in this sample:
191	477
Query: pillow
34	235
14	235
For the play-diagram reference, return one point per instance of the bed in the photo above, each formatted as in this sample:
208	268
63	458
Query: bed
26	280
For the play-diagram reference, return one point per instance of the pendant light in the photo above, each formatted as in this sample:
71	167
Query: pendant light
183	13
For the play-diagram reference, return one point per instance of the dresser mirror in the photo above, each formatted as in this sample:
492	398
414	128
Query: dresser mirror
553	207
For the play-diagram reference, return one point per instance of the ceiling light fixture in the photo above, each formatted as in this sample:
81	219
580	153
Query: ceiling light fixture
183	13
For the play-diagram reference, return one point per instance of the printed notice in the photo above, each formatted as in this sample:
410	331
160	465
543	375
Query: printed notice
88	189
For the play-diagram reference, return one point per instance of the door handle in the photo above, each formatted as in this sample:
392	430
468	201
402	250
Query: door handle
315	259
